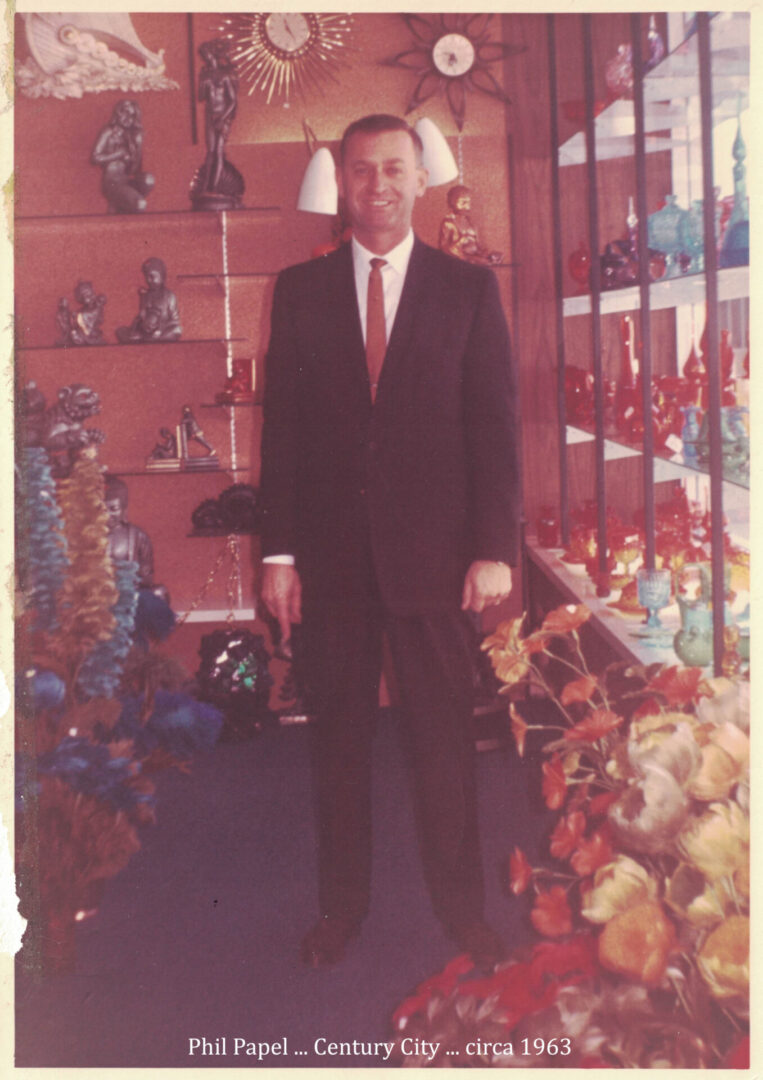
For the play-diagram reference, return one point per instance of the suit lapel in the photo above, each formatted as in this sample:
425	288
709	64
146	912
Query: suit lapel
342	309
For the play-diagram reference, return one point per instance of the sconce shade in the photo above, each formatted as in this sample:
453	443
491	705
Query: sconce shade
437	157
318	193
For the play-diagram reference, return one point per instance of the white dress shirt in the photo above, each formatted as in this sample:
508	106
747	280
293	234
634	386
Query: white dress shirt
393	279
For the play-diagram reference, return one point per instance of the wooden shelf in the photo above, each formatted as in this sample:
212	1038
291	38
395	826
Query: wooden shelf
218	615
89	350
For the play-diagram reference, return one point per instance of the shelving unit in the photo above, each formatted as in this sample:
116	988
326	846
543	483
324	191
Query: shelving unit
667	125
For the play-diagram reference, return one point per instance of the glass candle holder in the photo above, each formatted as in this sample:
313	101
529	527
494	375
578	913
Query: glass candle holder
653	588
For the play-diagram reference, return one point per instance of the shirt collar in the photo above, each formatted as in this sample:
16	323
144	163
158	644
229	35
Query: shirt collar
397	258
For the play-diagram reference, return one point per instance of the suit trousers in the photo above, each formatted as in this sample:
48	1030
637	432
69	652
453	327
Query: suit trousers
433	665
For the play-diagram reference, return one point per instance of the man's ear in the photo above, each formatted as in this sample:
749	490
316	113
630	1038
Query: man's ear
423	178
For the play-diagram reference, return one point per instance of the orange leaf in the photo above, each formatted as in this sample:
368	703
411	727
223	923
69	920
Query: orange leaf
566	834
650	707
595	726
554	783
520	871
551	915
564	619
579	690
680	686
592	853
518	729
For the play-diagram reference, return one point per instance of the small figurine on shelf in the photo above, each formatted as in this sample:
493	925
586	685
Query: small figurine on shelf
655	44
81	327
217	185
238	385
164	456
127	541
735	249
158	318
119	150
458	236
60	429
190	431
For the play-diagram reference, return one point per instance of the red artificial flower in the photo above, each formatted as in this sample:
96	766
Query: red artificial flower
551	915
599	804
680	686
649	707
571	961
739	1056
579	690
520	871
534	643
444	982
518	729
517	995
592	853
566	618
595	726
566	834
554	783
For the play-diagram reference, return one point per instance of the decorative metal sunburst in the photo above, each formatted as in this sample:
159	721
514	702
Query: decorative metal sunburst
282	50
452	54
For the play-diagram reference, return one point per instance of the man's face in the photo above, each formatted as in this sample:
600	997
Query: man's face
380	181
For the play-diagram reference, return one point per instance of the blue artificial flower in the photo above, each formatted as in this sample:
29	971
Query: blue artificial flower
89	768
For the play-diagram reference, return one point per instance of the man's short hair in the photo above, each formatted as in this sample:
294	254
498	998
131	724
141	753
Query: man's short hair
374	125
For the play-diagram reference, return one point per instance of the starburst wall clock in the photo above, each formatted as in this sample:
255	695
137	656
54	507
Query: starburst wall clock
451	55
279	51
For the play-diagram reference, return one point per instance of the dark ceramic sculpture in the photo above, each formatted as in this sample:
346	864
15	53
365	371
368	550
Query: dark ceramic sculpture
217	185
81	327
157	318
119	151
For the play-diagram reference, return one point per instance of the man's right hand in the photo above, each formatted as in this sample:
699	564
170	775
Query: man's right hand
282	595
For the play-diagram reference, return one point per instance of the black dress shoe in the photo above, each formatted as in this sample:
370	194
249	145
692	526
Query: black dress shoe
481	942
324	944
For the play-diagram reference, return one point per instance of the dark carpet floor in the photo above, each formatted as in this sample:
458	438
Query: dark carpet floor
198	937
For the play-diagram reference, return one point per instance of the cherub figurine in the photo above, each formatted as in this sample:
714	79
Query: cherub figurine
217	185
458	236
127	541
119	150
81	327
158	318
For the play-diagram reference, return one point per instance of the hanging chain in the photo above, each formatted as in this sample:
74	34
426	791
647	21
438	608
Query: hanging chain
460	158
233	548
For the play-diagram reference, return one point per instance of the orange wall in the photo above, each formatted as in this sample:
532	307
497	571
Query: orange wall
144	387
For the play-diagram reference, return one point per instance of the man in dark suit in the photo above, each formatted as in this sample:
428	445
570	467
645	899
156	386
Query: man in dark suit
390	497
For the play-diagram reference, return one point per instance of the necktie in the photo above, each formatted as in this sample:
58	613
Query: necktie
376	325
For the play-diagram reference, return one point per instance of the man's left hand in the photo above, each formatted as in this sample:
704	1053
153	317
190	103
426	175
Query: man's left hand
486	583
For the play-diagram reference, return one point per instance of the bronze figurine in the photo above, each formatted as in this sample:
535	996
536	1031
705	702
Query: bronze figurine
127	541
81	327
217	185
158	318
458	236
119	151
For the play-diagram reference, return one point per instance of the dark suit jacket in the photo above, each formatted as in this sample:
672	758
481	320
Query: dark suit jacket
426	478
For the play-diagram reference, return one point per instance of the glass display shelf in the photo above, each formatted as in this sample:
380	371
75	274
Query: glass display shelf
231	405
89	350
230	275
181	472
211	534
218	615
259	213
621	631
669	88
667	465
733	284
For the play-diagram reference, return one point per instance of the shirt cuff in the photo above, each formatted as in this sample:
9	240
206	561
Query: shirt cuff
280	560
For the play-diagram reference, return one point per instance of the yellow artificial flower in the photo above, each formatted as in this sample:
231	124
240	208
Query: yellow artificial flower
693	898
619	885
724	959
650	812
718	842
673	748
730	703
637	943
717	775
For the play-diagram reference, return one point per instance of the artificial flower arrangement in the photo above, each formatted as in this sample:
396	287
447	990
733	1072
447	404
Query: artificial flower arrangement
643	913
96	712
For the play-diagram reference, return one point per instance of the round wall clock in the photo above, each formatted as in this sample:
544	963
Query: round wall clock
277	51
451	55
